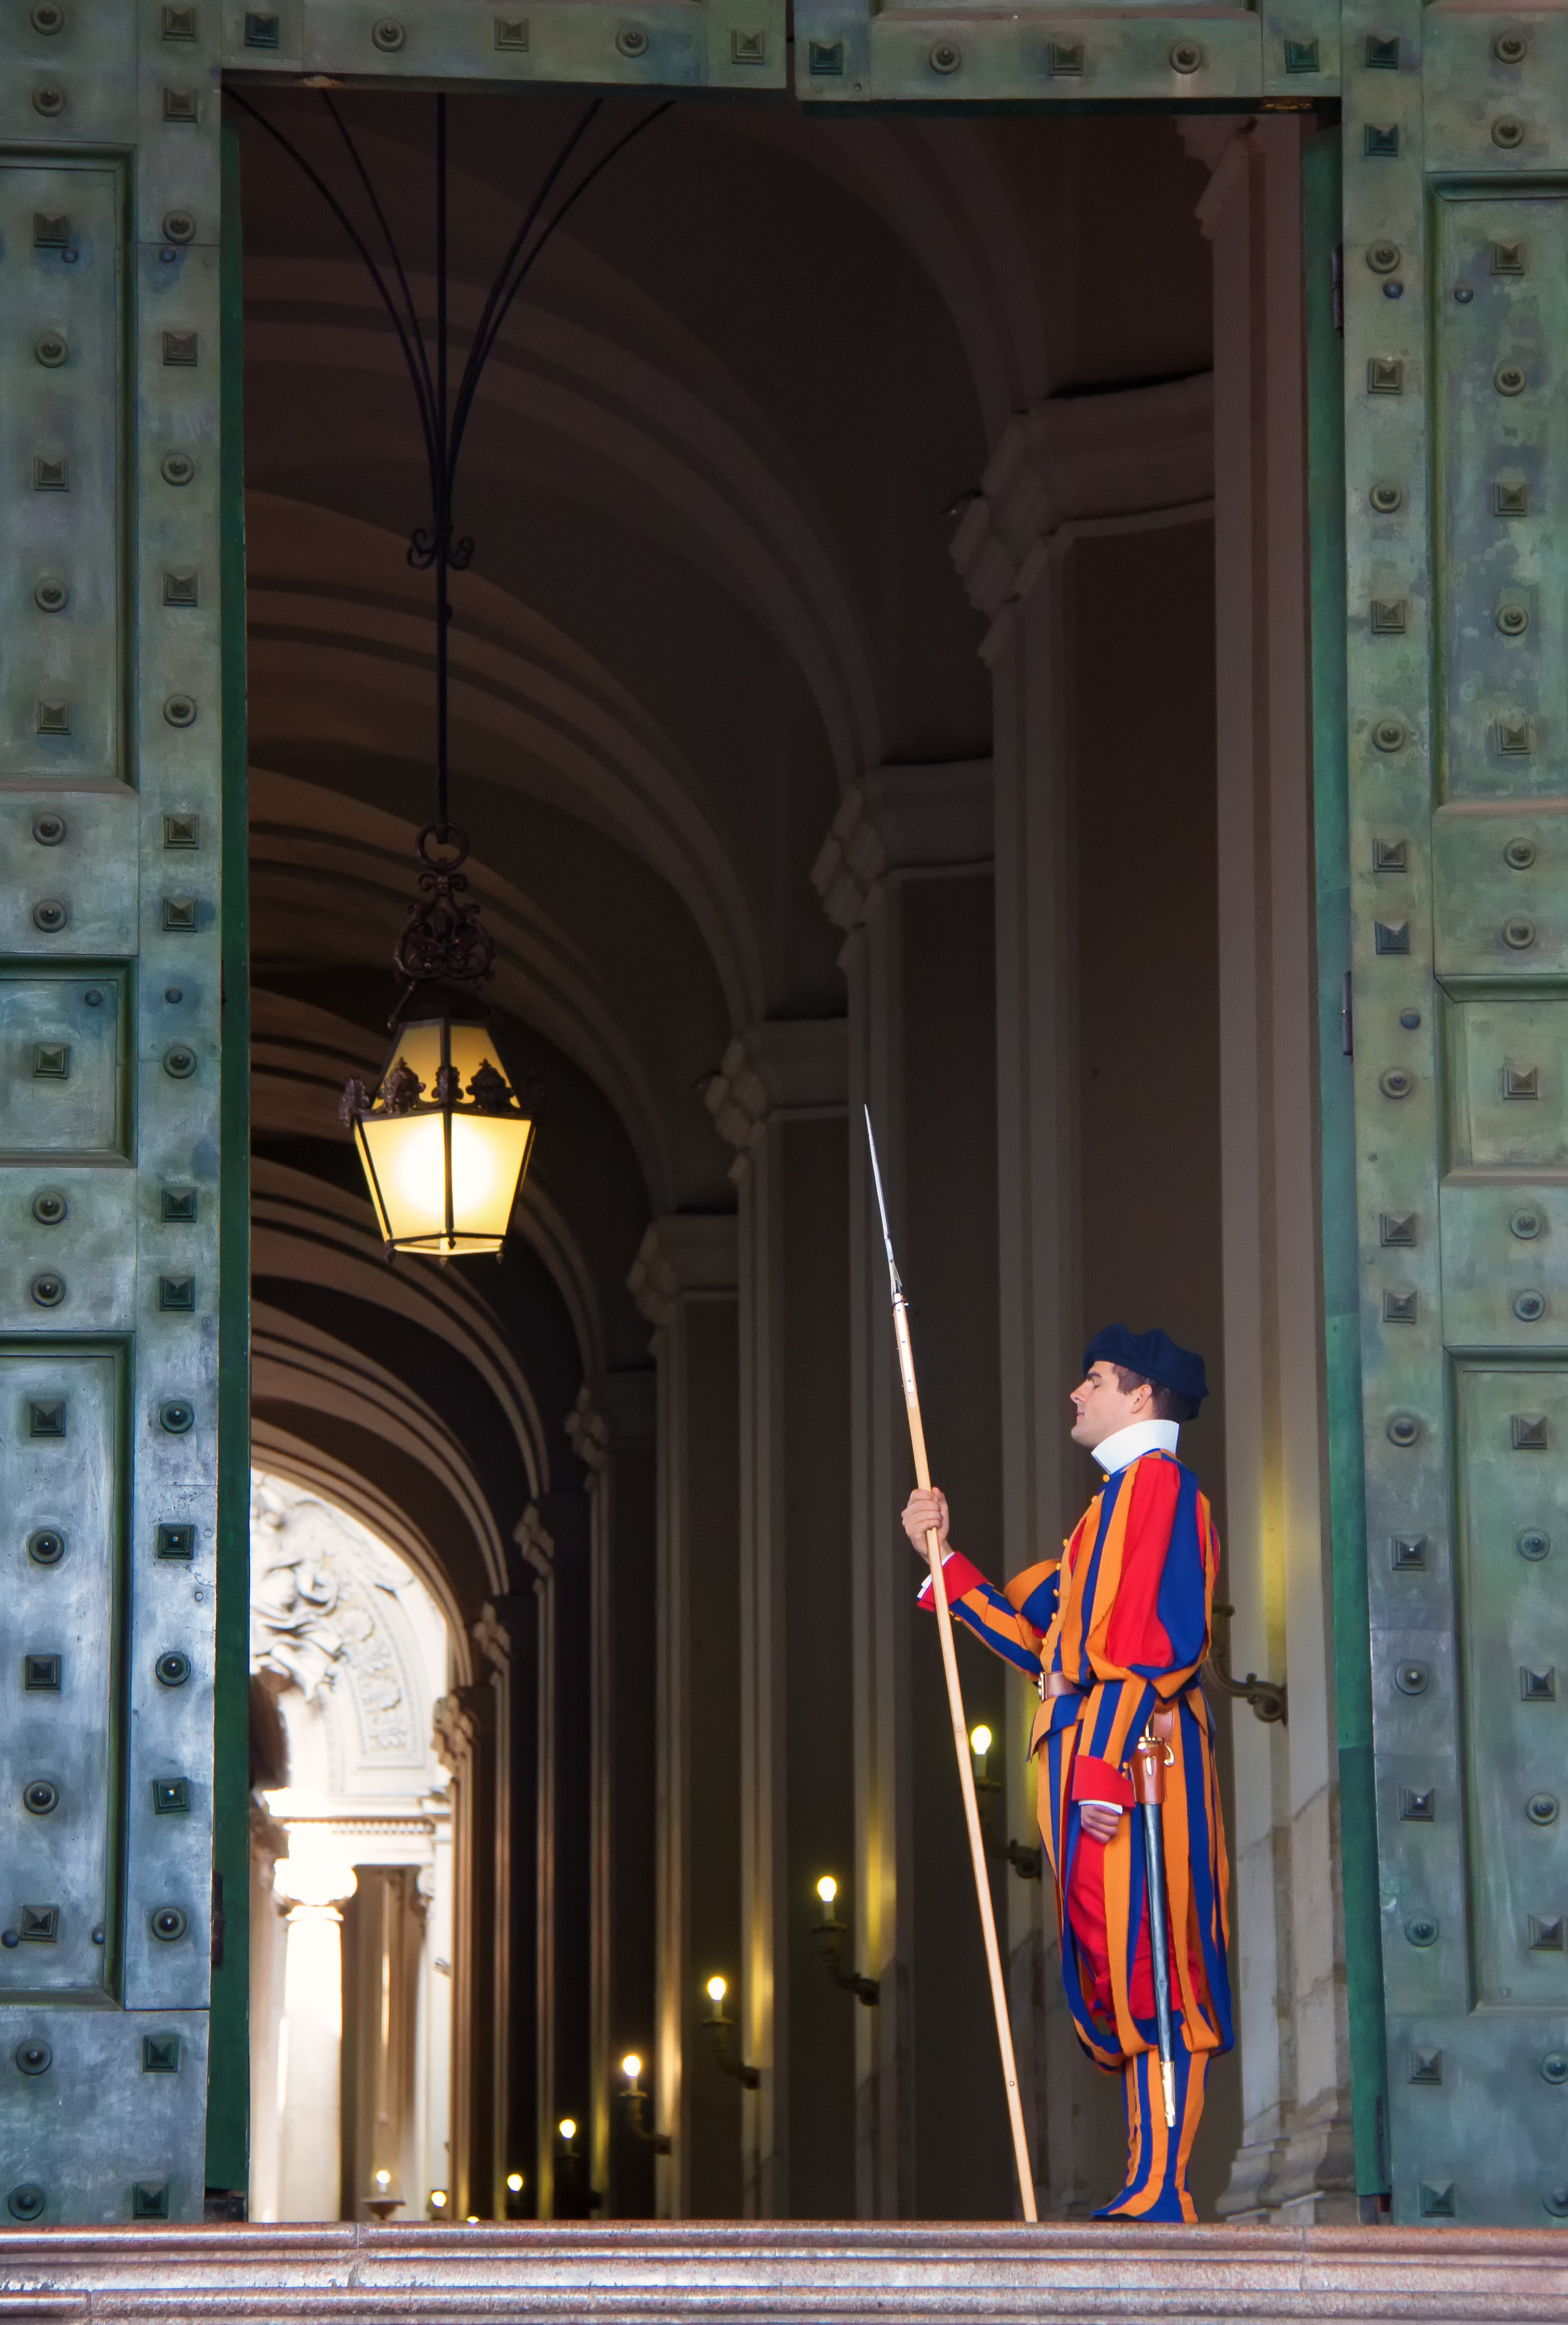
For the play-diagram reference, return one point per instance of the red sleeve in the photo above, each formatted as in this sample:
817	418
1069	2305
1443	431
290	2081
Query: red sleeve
1097	1780
1137	1640
960	1577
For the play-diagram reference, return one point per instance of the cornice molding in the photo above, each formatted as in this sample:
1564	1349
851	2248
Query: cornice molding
685	1253
902	820
778	1066
1133	451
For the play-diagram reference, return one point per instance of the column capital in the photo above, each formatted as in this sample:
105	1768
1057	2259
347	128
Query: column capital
782	1066
683	1253
1128	451
539	1552
455	1732
491	1636
589	1432
902	819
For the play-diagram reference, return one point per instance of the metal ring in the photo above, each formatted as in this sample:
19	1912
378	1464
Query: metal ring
1403	1430
453	839
1508	132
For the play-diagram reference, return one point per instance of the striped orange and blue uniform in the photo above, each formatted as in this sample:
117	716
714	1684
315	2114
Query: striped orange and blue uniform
1124	1617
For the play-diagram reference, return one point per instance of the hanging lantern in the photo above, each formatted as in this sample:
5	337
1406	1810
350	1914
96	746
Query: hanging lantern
445	1139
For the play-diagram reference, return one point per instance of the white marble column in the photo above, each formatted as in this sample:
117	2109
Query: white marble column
312	1887
779	1100
1295	2160
1066	473
684	1281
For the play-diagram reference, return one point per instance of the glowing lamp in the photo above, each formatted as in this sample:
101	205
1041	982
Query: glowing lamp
437	2199
718	1989
567	2128
979	1741
384	2179
444	1141
631	2066
514	2181
827	1888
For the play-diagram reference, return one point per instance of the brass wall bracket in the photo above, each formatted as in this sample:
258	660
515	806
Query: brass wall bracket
832	1934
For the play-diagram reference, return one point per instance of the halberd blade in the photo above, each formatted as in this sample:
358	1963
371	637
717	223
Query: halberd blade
882	1207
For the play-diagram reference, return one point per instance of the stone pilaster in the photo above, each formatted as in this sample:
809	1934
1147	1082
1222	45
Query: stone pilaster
1295	2160
779	1100
906	873
1063	473
684	1281
612	1435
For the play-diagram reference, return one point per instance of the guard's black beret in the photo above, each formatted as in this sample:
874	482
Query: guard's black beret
1155	1355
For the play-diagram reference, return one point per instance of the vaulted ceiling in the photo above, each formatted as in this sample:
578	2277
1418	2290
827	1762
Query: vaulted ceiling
711	479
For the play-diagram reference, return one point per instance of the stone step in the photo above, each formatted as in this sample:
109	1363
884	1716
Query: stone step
783	2274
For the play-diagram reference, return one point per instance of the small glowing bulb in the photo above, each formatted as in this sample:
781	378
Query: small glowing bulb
718	1989
631	2066
980	1738
384	2179
437	2199
472	2220
567	2127
514	2181
827	1888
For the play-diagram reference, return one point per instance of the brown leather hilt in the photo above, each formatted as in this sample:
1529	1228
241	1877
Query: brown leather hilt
1151	1756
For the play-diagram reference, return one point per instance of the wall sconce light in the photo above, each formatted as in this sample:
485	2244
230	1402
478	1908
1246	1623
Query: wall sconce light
566	2133
721	2028
437	2201
634	2099
382	2202
832	1933
1025	1862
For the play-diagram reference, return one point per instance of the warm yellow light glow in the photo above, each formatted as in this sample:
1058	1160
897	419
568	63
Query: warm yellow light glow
405	1159
980	1738
514	2181
405	1156
718	1989
437	2199
827	1888
472	2220
567	2127
631	2066
384	2179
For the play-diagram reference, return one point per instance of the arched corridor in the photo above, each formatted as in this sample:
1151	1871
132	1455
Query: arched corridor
746	762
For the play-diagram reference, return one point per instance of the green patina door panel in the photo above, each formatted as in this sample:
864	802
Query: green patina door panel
726	44
110	831
1455	270
1213	60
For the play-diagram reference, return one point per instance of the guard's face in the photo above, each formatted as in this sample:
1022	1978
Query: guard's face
1102	1406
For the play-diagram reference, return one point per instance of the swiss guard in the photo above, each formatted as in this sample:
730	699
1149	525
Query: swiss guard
1113	1634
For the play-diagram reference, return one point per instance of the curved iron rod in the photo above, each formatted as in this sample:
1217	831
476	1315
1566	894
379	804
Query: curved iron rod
469	384
443	433
372	269
363	174
364	250
576	196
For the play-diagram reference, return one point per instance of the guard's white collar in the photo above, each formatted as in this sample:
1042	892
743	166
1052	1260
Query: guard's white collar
1114	1452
